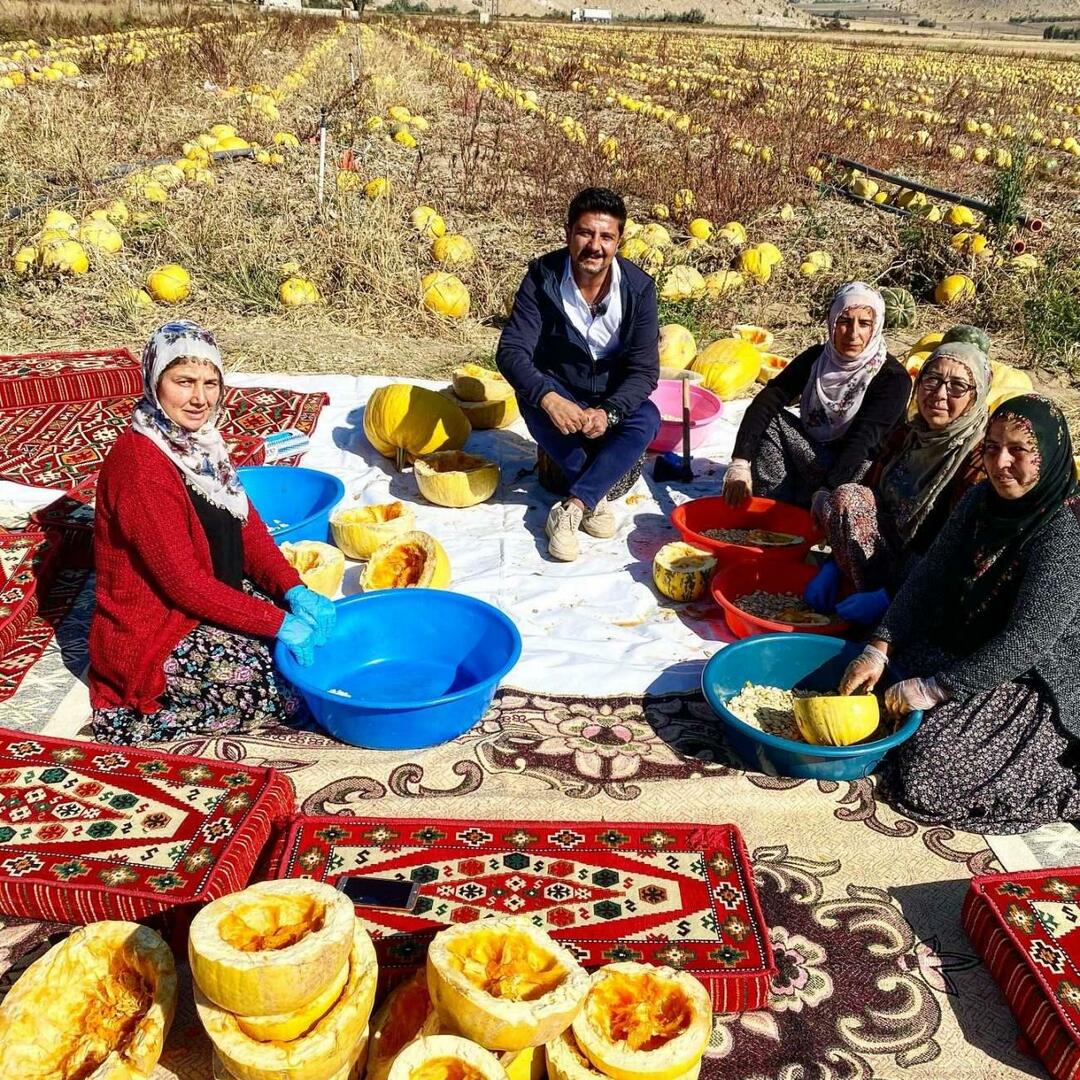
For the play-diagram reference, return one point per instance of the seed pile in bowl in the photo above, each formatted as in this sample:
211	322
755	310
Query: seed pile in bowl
785	607
769	709
753	537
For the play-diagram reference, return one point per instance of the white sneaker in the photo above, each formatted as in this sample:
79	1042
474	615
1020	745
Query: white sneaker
600	521
562	526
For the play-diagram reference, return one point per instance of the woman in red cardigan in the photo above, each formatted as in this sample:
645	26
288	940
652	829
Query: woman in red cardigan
189	581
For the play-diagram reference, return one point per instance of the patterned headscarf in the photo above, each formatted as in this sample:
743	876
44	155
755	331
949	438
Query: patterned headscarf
201	456
929	458
834	392
988	572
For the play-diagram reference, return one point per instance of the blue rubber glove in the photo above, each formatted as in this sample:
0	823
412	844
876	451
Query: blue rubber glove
864	607
820	594
299	637
314	609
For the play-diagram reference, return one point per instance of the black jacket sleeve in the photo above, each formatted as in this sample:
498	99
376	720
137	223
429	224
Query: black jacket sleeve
641	356
777	393
515	355
882	407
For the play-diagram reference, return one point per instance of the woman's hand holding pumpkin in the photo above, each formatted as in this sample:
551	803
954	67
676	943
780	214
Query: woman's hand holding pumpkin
911	694
864	672
318	612
299	637
737	481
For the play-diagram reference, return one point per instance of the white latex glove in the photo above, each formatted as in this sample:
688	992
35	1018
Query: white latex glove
863	673
737	482
911	694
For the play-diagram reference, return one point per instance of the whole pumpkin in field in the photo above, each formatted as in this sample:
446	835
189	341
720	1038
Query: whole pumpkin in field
298	292
414	420
453	249
445	294
168	284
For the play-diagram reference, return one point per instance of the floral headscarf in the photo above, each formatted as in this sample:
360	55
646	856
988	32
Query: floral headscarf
834	392
201	456
929	459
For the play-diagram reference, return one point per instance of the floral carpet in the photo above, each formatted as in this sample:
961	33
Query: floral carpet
875	976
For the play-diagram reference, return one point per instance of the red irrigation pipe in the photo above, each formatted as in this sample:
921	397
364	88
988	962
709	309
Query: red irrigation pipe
1034	224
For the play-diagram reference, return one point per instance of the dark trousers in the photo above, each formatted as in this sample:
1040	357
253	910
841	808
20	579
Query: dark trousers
592	466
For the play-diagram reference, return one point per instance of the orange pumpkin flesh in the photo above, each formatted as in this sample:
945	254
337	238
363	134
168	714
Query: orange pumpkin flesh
112	1013
402	567
446	1068
641	1011
268	927
506	966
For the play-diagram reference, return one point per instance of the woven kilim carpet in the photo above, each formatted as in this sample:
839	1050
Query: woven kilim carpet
875	978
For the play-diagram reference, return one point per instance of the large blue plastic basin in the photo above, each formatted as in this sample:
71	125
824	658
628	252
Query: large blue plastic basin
419	666
294	503
808	661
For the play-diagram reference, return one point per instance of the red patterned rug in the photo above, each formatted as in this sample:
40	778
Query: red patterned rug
681	895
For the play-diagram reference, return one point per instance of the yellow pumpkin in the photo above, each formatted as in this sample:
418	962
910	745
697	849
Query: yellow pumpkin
64	257
445	1057
427	222
25	259
1005	376
954	289
97	1004
641	1022
486	415
297	291
701	229
682	283
681	571
61	221
677	347
413	420
412	560
101	235
1001	395
284	1027
734	232
729	366
471	382
452	250
454	478
360	530
721	282
565	1061
959	217
756	335
334	1043
445	294
504	983
837	720
655	236
168	284
321	566
272	947
754	264
770	253
927	342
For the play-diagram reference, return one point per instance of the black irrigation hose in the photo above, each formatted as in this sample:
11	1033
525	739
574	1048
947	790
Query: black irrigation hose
1025	221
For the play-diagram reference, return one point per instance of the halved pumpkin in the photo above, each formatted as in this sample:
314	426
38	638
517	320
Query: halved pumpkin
284	1027
504	983
756	335
321	566
471	382
836	720
454	478
271	948
346	1072
565	1061
406	1014
331	1045
97	1005
771	366
446	1057
412	560
641	1022
486	415
681	571
359	530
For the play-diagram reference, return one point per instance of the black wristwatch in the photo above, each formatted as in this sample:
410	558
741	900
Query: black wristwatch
613	415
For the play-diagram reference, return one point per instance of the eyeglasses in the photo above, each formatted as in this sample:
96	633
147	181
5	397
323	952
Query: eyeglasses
953	387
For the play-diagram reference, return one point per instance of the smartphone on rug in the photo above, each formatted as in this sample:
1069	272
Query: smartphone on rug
378	892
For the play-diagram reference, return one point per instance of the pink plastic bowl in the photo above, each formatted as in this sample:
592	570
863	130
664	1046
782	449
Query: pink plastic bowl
705	407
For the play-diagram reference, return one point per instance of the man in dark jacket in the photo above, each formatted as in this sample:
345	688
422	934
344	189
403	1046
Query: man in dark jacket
581	351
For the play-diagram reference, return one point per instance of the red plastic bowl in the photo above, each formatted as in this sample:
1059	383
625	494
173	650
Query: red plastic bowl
692	518
729	583
705	407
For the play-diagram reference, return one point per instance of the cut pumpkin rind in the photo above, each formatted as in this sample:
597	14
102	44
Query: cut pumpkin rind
565	1061
412	560
445	1057
270	948
456	479
504	983
486	415
346	1072
471	382
334	1043
97	1004
321	566
284	1027
359	530
681	571
641	1022
406	1014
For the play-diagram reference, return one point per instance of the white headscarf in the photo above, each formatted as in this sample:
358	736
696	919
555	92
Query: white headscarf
834	392
201	456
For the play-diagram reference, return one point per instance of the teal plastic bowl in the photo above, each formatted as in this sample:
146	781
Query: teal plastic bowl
806	661
406	668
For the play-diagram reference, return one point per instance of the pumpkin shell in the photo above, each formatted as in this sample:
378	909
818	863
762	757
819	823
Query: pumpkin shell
771	366
682	283
47	1013
236	953
454	478
837	720
413	419
412	560
475	993
756	335
1006	377
610	1021
729	365
565	1061
321	566
899	308
471	382
441	1057
487	415
359	530
331	1046
284	1027
681	571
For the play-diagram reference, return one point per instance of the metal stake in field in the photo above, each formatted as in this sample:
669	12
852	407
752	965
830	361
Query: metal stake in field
322	153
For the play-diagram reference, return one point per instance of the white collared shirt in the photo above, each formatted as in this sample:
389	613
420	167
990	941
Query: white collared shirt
601	333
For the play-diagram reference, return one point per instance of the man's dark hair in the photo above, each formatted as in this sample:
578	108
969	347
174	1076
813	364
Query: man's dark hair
597	200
